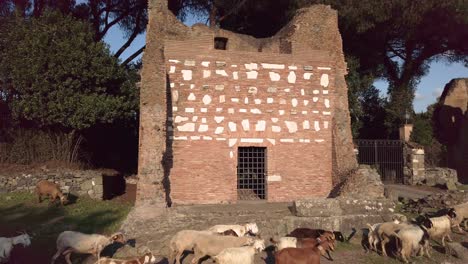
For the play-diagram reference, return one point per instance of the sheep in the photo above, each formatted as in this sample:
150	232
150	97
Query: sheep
212	245
148	258
75	242
442	226
241	230
7	244
302	255
461	210
50	189
240	255
414	238
182	241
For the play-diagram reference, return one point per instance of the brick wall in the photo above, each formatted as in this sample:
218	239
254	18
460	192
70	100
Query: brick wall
222	100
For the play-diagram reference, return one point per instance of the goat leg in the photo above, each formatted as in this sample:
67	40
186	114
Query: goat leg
329	256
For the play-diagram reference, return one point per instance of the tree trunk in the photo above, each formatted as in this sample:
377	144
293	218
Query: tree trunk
213	14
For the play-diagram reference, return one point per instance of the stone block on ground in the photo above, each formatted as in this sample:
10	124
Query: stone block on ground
458	250
317	207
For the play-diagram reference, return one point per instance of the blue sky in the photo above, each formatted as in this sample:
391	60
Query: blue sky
429	88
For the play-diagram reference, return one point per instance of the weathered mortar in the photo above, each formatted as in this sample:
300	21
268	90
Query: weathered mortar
313	28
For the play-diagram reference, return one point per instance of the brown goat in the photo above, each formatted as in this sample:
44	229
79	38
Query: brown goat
308	255
229	232
50	189
314	233
314	242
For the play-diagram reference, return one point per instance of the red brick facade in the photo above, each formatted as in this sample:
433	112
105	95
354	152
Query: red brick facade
222	100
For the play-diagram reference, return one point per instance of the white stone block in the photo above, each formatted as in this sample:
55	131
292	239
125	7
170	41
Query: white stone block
222	98
274	76
234	65
232	126
255	111
203	120
189	63
206	73
282	101
291	77
315	112
272	141
325	124
307	75
274	119
219	119
281	112
245	125
316	125
316	91
187	75
232	141
306	124
260	126
276	129
269	100
172	85
324	68
252	74
306	102
324	80
179	119
302	92
251	140
194	119
325	91
235	75
219	109
174	109
327	103
190	110
221	139
273	66
326	113
292	126
205	63
258	101
195	137
292	67
315	99
207	138
304	112
294	102
319	140
174	61
206	99
251	66
180	138
231	154
274	178
219	130
242	110
235	100
172	69
191	97
203	110
287	140
306	140
203	128
221	72
175	96
188	127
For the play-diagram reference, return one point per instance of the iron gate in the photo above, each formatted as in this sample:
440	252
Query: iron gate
251	173
385	155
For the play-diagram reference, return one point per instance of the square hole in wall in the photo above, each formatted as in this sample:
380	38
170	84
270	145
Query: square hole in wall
220	43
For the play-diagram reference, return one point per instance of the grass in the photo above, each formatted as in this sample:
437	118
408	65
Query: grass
20	211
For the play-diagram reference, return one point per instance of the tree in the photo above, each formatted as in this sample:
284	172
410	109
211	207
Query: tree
131	16
54	75
422	129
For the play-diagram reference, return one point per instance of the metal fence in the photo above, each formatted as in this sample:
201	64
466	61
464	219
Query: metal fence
251	173
385	155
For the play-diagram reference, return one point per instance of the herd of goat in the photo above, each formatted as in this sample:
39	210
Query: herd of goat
238	244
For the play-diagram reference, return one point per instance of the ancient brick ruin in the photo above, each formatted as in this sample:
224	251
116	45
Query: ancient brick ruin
203	109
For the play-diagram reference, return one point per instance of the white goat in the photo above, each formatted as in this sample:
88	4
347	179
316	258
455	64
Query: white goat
442	226
284	242
75	242
212	245
373	236
182	241
461	210
414	239
240	255
241	230
7	244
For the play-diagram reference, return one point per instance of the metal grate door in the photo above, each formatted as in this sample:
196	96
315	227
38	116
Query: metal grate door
385	155
251	173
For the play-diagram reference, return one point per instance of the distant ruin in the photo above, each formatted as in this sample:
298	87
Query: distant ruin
451	118
226	117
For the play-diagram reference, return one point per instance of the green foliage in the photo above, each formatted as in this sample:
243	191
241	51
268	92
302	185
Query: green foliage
55	75
422	130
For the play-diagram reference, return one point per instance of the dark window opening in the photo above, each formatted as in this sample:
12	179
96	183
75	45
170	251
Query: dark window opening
285	46
251	173
220	43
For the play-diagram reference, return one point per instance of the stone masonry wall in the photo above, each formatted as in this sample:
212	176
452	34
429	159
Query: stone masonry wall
225	99
79	183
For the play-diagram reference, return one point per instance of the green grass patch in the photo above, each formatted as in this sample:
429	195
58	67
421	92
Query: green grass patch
21	211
